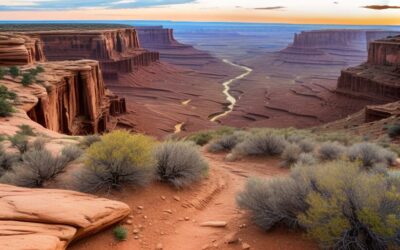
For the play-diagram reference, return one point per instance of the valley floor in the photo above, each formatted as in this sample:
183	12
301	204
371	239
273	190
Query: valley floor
172	218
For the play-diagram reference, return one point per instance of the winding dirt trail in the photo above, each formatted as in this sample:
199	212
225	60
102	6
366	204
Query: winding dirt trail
174	219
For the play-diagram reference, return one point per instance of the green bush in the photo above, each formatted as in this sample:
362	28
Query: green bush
6	94
330	151
203	137
371	155
120	233
14	71
393	130
27	79
26	130
6	107
262	144
3	72
179	163
274	201
20	142
119	159
352	209
36	168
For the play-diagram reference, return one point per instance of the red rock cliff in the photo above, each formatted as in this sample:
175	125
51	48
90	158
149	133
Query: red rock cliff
118	50
379	77
20	50
150	36
327	38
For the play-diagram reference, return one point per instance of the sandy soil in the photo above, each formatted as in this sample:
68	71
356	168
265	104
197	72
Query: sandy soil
172	218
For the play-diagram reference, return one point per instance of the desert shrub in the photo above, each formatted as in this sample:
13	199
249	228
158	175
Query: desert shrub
306	159
262	144
26	130
37	70
5	107
201	138
120	233
307	146
20	142
38	144
36	168
88	140
14	71
393	130
352	209
273	201
71	152
371	155
6	94
7	160
226	142
119	159
3	72
330	151
27	79
179	163
291	155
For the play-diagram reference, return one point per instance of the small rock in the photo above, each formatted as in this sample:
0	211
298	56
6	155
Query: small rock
136	231
177	198
168	211
242	226
245	246
187	218
231	238
130	216
145	217
128	222
205	247
214	224
163	197
140	226
140	207
159	246
162	233
136	237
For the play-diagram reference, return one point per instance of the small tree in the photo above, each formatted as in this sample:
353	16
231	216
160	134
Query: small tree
5	107
20	142
27	79
3	72
14	71
6	94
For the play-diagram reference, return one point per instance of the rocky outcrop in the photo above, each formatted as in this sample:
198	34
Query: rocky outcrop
117	50
329	38
52	219
20	50
379	77
151	36
372	35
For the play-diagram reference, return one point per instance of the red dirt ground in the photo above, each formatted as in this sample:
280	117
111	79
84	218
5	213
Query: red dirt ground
175	224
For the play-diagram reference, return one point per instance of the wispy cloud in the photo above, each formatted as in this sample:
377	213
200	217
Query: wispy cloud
84	4
380	7
270	8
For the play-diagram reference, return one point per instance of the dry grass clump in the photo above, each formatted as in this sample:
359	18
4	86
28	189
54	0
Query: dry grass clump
331	151
226	142
179	163
263	144
291	155
371	155
88	140
203	137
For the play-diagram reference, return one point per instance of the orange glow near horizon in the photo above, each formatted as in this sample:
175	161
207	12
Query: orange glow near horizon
213	15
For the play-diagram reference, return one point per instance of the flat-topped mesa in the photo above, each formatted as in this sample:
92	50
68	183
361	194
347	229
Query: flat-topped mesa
117	50
378	78
20	50
329	39
151	36
372	35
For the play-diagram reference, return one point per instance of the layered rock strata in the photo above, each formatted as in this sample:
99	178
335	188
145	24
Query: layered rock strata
52	219
20	50
379	77
117	50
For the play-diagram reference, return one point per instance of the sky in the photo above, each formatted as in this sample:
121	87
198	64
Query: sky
367	12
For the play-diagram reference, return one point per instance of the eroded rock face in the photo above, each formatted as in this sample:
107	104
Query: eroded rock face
117	50
155	36
51	219
329	38
20	50
379	77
